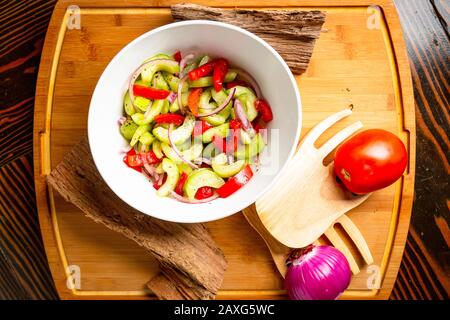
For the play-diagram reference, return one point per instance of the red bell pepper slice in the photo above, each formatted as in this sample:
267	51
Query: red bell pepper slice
149	93
132	152
203	193
181	182
264	109
193	99
235	83
200	127
202	71
170	118
235	183
138	160
220	70
177	56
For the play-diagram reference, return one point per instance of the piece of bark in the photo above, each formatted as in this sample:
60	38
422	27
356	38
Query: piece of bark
291	32
192	264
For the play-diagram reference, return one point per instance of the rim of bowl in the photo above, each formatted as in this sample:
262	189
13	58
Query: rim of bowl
247	203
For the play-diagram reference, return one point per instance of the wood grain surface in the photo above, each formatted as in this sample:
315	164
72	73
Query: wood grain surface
424	271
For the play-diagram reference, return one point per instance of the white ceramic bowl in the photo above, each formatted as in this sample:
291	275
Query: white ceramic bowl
242	49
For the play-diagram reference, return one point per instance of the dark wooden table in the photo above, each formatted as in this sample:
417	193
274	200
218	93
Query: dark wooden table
425	269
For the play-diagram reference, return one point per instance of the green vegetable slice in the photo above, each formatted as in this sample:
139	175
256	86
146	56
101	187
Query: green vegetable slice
128	128
226	170
220	131
252	149
190	154
201	178
167	65
138	133
155	109
172	177
179	135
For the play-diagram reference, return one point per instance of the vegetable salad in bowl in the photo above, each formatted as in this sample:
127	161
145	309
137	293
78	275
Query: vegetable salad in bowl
195	126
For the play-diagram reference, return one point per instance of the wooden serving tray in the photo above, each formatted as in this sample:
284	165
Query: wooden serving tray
359	60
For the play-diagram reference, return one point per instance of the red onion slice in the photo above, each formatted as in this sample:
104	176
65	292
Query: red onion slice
180	87
222	106
248	78
138	71
150	169
121	120
172	97
174	147
240	114
187	59
176	196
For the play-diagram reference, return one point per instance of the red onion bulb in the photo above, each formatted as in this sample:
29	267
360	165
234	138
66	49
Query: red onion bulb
317	273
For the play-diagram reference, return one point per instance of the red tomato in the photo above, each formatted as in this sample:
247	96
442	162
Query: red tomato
264	109
370	160
235	183
130	153
203	193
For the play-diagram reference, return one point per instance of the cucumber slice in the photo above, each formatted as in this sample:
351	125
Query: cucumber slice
156	148
146	138
184	167
128	128
218	118
141	145
221	131
174	106
172	177
252	149
201	178
160	56
205	59
248	101
209	151
171	80
166	106
138	133
247	97
179	135
159	81
190	154
245	137
208	80
155	109
129	109
169	66
226	170
159	169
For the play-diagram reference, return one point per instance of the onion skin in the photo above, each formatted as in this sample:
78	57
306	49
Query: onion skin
318	273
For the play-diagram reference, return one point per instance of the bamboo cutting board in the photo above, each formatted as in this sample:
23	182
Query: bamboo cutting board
360	61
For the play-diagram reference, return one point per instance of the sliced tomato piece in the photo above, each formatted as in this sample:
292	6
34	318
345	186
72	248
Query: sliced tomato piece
235	183
203	193
170	118
264	109
150	93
